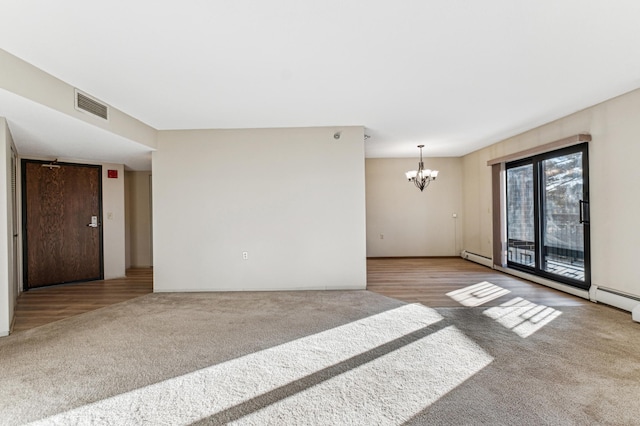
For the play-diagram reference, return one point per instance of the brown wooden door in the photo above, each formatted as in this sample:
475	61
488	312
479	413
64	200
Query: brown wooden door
61	246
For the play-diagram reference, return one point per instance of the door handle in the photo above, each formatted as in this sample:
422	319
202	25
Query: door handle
584	212
94	222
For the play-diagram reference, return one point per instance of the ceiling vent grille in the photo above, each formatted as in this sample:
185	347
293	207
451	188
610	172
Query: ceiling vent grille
92	106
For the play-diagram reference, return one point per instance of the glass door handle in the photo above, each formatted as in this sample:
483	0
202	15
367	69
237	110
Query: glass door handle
584	211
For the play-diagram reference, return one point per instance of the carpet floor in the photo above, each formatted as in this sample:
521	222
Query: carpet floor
327	357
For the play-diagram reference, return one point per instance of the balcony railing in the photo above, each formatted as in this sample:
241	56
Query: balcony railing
561	261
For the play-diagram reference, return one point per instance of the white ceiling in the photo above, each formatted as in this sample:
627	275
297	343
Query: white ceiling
455	75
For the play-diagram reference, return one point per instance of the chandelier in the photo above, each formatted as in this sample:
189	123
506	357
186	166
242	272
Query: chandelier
421	177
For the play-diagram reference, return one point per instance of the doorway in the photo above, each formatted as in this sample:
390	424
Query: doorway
548	216
62	223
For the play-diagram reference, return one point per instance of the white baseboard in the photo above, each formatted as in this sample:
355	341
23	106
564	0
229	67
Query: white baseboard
545	282
258	289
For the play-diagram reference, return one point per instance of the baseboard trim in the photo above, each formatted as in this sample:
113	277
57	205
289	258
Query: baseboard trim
545	282
268	289
412	257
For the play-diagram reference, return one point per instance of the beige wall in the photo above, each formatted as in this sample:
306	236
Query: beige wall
614	174
127	221
294	199
113	238
7	291
138	211
413	223
477	214
30	82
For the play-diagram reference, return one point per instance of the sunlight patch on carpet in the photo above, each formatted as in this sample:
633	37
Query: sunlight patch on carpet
389	390
201	394
477	294
521	316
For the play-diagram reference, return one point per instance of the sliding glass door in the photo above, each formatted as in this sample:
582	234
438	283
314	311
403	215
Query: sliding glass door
548	216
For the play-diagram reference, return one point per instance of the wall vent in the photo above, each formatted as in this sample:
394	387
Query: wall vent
90	105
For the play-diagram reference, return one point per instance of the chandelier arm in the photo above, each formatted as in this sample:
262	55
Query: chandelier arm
420	180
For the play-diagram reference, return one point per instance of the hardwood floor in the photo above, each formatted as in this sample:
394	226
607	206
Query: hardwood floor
48	304
429	280
422	280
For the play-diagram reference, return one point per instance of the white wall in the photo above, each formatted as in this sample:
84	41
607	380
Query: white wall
413	223
7	291
614	175
294	199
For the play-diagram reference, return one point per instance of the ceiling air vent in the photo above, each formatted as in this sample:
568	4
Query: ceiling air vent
92	106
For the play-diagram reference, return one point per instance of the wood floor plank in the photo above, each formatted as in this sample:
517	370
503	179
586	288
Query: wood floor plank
414	280
429	280
44	305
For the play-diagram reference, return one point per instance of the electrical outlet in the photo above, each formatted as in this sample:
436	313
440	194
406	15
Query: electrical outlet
245	255
455	215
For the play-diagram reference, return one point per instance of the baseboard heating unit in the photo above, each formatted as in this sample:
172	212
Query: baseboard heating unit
617	299
486	261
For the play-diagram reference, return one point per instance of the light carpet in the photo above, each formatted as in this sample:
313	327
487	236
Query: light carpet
323	358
